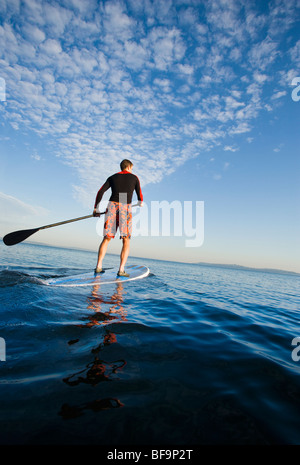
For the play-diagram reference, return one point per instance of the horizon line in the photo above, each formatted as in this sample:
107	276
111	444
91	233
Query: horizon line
232	265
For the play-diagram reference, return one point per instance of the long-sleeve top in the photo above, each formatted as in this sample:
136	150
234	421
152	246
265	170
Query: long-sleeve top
122	185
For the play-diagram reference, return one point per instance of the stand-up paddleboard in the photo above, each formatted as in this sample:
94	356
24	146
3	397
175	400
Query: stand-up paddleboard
108	277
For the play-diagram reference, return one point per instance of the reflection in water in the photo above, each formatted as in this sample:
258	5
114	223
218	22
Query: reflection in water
73	411
98	370
95	372
116	310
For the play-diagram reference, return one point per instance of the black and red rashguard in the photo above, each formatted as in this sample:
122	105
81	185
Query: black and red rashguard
122	185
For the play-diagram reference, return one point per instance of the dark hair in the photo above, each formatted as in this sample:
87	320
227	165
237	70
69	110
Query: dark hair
125	164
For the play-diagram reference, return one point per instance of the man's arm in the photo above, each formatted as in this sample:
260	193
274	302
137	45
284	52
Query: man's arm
138	191
99	196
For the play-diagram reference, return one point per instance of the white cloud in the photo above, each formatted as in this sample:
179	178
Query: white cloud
117	22
85	8
134	54
282	16
188	17
240	128
51	47
186	69
254	23
279	94
33	33
263	54
12	207
295	54
167	46
57	18
36	157
230	148
164	84
278	149
217	177
259	77
232	103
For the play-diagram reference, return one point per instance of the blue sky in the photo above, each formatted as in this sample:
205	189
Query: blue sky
198	94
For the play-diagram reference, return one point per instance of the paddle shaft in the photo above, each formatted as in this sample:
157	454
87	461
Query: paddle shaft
74	219
19	236
67	221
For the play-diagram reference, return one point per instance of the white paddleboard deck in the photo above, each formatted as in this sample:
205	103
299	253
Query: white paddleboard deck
108	277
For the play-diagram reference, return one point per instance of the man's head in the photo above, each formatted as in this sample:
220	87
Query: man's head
126	165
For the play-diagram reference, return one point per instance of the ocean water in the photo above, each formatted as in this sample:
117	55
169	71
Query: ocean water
190	355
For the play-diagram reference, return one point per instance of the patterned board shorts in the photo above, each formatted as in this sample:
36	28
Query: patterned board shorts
118	215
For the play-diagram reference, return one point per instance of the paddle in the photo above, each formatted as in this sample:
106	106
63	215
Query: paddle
19	236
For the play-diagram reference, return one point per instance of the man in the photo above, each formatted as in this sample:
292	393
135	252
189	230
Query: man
118	213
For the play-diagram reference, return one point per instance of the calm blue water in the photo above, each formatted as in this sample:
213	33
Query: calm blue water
192	354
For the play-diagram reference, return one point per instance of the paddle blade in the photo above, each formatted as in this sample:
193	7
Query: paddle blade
18	236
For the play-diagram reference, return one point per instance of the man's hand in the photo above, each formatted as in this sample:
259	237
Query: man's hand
95	213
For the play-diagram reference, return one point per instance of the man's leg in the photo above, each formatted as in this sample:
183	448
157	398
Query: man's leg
124	253
102	251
